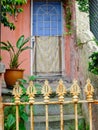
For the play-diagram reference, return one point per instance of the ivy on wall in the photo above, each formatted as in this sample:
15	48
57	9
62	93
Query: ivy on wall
93	62
83	5
67	4
12	8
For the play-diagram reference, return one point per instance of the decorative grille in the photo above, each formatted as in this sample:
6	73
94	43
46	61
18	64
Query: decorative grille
93	4
47	19
46	91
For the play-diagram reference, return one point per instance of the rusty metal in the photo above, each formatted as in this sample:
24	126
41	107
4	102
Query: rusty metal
89	90
31	91
90	115
61	90
46	91
17	92
31	117
76	116
17	117
75	91
61	117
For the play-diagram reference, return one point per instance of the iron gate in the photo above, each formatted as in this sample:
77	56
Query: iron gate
46	91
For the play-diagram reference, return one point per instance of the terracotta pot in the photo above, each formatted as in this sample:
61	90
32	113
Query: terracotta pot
11	76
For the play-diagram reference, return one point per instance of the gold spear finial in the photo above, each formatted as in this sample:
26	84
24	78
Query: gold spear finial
89	90
46	91
17	92
31	91
75	90
61	90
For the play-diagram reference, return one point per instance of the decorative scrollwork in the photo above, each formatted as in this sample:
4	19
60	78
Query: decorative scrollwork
61	90
31	91
17	92
89	90
75	90
46	91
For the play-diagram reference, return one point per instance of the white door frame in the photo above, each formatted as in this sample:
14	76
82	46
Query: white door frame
33	40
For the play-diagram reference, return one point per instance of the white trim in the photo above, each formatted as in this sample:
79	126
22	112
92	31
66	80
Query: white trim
31	59
63	42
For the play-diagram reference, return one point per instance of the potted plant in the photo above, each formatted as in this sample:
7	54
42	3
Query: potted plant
14	73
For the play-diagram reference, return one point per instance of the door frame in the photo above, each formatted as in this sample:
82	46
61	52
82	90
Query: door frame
32	53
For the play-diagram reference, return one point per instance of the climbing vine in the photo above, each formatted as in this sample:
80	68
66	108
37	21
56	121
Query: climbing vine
93	63
68	15
12	8
83	5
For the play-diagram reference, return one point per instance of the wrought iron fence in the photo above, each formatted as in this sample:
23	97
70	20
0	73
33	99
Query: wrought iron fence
46	91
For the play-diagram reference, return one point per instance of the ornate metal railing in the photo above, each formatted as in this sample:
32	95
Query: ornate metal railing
46	91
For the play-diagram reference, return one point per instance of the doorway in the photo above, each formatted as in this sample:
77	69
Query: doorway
47	32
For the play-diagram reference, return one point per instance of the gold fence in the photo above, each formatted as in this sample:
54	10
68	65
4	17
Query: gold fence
46	91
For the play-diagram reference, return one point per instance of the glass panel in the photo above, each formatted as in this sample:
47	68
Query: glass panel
47	19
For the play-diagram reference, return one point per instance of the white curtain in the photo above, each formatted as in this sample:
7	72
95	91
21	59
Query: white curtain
48	54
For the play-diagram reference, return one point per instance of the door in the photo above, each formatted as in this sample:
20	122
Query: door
47	30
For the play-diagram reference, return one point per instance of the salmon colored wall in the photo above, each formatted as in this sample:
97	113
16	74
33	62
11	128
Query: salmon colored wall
70	41
22	28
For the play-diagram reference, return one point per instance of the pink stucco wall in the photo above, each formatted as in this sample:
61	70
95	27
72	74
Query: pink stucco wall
22	28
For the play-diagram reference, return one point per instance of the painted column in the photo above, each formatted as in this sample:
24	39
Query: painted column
70	39
2	70
1	112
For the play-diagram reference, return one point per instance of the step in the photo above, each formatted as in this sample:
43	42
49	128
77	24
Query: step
54	122
55	118
55	109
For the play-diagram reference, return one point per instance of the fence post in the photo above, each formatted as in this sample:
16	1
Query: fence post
1	115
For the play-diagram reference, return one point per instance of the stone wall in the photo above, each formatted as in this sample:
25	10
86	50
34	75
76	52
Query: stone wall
85	47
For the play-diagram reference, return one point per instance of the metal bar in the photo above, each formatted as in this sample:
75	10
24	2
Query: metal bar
52	102
76	116
90	115
17	117
32	117
1	115
46	106
95	101
62	117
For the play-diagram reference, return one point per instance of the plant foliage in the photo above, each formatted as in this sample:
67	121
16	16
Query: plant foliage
9	111
15	51
93	63
12	8
83	5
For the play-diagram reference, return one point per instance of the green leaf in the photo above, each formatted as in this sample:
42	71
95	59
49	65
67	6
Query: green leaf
24	116
10	120
22	126
10	46
20	42
33	77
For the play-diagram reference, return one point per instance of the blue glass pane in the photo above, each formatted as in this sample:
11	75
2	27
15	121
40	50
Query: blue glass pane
47	25
47	32
47	19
